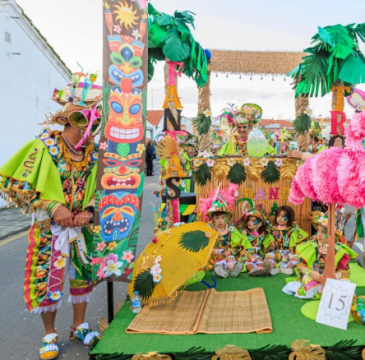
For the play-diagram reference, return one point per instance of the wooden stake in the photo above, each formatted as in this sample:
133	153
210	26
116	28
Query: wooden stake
330	267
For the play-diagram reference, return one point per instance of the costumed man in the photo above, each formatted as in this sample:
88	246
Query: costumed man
54	178
242	122
313	258
316	143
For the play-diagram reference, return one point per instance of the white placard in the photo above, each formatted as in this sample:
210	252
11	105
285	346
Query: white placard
335	305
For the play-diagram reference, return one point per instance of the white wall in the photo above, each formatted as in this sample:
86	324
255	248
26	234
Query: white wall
26	81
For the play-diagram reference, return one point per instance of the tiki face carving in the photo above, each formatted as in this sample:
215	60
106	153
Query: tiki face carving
125	117
117	212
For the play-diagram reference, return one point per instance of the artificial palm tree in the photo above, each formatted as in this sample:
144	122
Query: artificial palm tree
170	37
334	63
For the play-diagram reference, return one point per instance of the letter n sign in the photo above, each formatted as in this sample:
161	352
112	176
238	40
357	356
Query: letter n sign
170	122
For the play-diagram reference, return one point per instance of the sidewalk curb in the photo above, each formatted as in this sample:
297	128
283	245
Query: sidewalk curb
17	231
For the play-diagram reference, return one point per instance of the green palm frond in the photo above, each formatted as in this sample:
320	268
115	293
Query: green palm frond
144	284
194	353
202	175
343	350
237	174
172	35
202	124
106	97
194	241
271	352
334	57
271	174
133	235
302	123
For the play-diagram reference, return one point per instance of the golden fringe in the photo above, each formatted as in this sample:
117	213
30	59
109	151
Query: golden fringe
79	164
147	263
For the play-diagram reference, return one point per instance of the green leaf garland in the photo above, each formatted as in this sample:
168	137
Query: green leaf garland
271	174
237	174
202	174
302	123
202	124
194	241
144	284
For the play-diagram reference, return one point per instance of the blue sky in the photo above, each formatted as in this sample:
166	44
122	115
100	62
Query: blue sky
73	28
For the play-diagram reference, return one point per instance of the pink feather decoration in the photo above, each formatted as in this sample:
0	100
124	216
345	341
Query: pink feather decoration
228	194
335	176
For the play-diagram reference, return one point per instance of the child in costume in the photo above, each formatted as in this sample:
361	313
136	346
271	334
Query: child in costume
55	180
230	242
242	120
287	235
253	227
313	258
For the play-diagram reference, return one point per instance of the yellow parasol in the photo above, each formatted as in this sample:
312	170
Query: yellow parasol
173	257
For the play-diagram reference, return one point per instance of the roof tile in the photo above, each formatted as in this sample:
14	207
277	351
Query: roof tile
154	116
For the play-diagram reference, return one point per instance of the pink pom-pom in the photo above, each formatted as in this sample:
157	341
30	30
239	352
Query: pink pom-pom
154	239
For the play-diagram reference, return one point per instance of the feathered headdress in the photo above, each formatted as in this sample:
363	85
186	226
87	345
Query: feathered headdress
216	200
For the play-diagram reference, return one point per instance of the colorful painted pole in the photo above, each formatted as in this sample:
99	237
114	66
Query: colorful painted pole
122	143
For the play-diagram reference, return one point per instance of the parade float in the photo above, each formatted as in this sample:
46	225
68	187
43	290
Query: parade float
188	312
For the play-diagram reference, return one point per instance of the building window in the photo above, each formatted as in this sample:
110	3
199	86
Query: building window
7	37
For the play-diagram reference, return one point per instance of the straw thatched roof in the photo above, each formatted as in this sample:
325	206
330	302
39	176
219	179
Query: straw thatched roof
255	62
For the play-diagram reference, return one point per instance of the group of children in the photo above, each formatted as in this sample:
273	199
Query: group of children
266	249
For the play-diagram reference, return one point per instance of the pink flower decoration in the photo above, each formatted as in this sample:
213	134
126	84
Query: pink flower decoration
96	260
117	29
142	3
101	246
100	274
103	145
113	257
127	255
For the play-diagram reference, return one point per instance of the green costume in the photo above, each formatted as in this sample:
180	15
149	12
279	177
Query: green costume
40	176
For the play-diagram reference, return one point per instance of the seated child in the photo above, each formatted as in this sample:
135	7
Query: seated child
253	226
312	261
286	235
229	242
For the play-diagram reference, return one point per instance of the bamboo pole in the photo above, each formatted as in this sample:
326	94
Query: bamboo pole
204	104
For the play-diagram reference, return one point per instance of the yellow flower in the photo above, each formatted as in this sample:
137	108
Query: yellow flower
160	220
49	142
230	162
60	263
264	162
97	229
141	148
112	245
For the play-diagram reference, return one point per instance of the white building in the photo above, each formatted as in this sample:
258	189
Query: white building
29	72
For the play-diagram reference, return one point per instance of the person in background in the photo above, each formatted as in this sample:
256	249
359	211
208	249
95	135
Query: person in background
149	157
154	144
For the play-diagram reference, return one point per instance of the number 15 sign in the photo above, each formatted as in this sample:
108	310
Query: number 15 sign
335	305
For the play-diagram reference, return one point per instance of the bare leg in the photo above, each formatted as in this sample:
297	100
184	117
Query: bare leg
249	267
79	314
49	320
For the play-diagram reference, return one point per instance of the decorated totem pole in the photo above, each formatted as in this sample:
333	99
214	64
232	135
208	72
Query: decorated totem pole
122	143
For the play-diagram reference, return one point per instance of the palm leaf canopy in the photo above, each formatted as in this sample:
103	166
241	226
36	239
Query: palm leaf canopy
334	57
170	37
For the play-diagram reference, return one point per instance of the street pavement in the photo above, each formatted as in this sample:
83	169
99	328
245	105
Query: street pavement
21	332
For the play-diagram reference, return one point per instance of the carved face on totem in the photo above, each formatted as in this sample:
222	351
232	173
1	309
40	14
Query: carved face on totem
121	172
117	213
125	117
126	56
